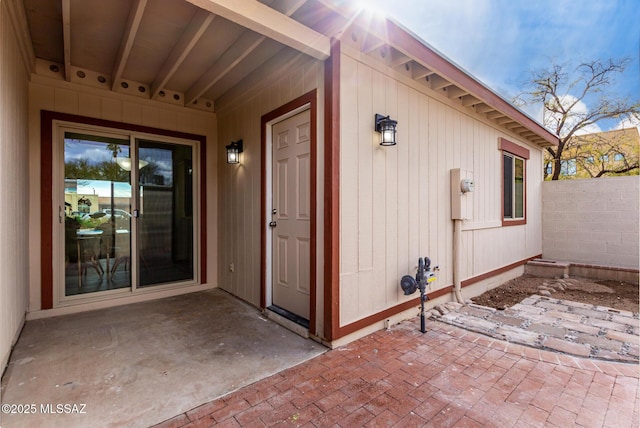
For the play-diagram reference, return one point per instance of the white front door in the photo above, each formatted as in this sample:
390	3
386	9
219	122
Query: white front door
291	245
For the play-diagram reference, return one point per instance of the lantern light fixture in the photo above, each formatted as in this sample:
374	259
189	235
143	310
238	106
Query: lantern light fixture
233	152
125	163
387	129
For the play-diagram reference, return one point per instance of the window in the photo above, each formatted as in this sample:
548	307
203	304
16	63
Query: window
513	186
568	167
514	159
590	159
604	158
618	157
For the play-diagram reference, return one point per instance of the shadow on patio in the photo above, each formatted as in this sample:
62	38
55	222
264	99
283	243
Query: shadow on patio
141	364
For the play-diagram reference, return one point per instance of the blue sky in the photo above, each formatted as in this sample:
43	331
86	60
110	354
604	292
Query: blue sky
499	41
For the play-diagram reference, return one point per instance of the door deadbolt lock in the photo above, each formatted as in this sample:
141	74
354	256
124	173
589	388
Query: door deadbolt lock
272	224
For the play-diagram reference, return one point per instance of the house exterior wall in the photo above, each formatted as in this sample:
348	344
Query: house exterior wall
280	81
592	221
395	201
14	183
64	97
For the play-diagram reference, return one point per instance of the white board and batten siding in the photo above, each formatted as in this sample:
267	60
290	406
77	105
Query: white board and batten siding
14	181
395	201
239	117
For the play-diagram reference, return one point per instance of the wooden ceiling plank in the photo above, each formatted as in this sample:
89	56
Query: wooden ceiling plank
66	35
246	44
196	28
270	23
133	24
241	48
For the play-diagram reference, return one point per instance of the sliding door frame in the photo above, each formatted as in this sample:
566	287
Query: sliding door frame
51	122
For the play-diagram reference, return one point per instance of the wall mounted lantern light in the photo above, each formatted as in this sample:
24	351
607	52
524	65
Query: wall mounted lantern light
387	129
233	152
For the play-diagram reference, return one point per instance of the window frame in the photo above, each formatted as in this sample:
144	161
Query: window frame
568	167
513	150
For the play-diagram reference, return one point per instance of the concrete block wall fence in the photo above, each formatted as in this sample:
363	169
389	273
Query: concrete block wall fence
592	221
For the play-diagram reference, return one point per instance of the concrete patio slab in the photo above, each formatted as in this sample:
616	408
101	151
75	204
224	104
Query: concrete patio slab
140	364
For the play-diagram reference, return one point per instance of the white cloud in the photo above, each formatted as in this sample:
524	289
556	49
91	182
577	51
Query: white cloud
629	122
576	113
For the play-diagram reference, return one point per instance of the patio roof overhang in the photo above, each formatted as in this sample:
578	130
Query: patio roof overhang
192	52
184	52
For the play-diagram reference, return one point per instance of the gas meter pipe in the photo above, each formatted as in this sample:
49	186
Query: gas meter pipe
457	259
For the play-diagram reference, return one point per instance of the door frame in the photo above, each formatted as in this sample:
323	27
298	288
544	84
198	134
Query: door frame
302	103
48	122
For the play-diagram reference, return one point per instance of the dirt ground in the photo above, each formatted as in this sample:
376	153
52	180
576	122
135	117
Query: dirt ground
613	294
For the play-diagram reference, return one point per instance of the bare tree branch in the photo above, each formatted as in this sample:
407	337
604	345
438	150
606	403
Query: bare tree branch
565	97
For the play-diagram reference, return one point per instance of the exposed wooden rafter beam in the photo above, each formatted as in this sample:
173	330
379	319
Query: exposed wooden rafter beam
512	125
398	38
371	44
470	101
270	23
241	48
133	23
436	82
484	108
418	71
66	37
181	50
494	115
455	92
397	59
406	43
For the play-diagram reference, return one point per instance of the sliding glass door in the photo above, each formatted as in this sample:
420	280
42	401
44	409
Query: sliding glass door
123	237
97	218
166	213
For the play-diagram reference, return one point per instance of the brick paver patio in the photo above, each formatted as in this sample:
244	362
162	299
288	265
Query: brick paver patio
445	377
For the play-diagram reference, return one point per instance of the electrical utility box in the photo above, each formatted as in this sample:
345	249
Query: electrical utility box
462	185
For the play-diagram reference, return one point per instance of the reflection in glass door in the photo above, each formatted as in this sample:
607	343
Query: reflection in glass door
165	213
121	237
97	213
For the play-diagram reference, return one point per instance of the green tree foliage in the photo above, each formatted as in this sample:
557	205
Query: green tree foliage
83	169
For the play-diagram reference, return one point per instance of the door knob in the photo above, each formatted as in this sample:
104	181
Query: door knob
272	224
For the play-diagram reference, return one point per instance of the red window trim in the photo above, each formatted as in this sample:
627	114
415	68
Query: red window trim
513	148
516	150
